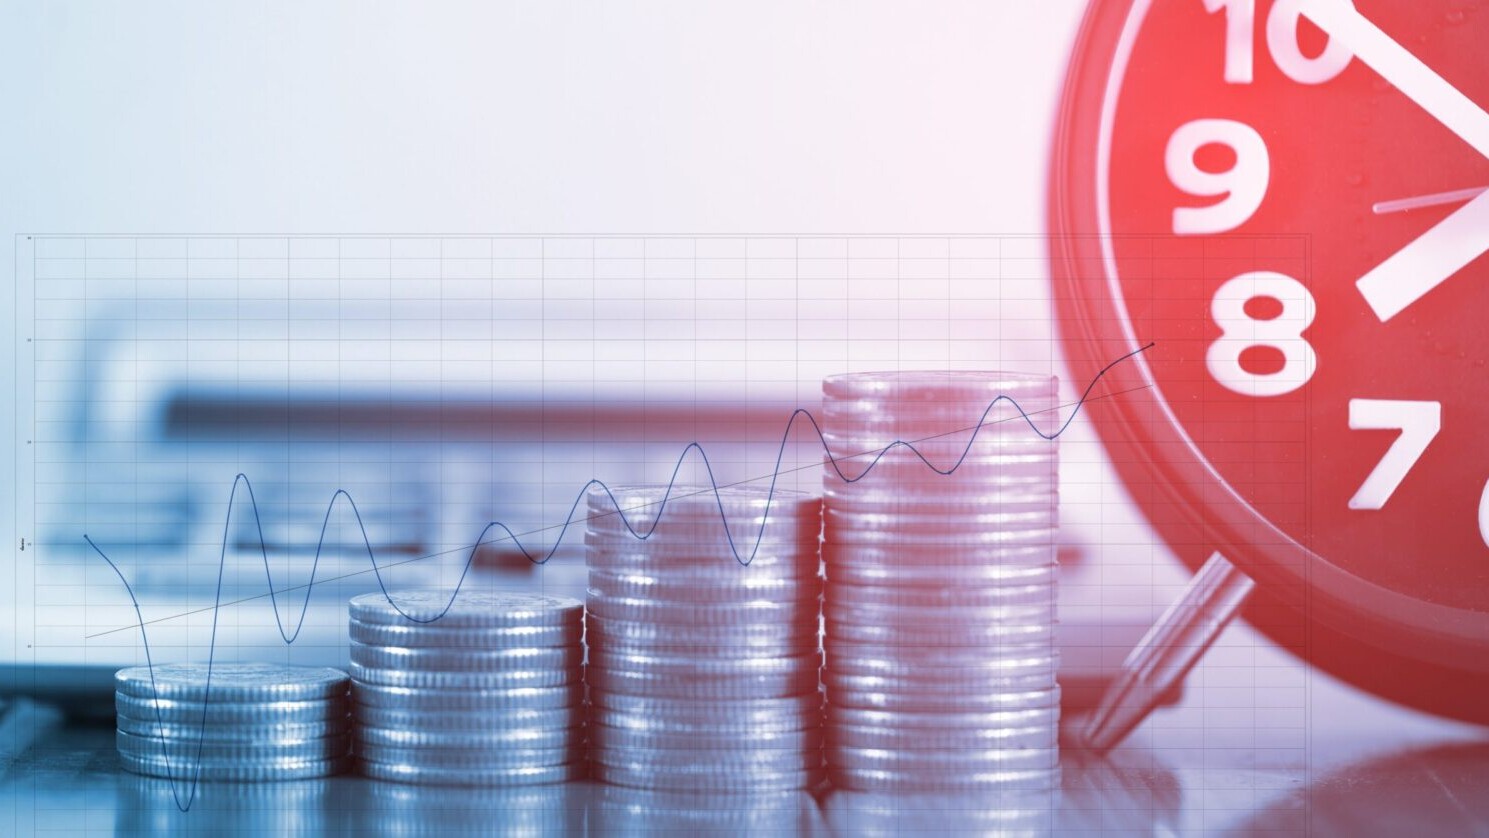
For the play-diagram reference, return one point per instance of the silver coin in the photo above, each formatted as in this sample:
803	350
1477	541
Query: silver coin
932	538
470	776
732	647
879	675
233	770
948	471
734	781
795	559
941	720
466	609
438	635
1018	490
912	574
691	614
870	779
942	760
244	733
954	617
231	682
950	474
504	756
306	749
603	630
1038	736
193	711
465	659
629	682
690	666
900	525
419	698
935	634
864	442
800	568
477	680
706	761
700	500
960	596
469	721
693	741
1027	564
807	701
993	460
838	681
894	660
711	647
952	700
703	722
705	525
515	737
744	587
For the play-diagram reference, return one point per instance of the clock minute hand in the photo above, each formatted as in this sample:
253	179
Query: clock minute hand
1404	71
1408	274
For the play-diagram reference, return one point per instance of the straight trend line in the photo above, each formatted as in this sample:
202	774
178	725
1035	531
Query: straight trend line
289	637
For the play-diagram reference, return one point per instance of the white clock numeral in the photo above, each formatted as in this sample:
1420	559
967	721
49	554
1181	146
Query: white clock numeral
1282	42
1240	331
1239	32
1243	184
1484	515
1419	422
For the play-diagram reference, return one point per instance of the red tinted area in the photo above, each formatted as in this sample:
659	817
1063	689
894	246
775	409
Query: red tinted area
1335	149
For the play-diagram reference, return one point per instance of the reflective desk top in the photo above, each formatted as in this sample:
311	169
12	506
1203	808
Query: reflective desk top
1258	743
1360	767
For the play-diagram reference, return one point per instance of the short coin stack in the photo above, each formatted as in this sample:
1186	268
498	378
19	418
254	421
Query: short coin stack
240	722
703	672
482	689
941	582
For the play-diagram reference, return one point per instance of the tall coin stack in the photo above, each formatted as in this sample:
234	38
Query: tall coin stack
704	673
242	722
484	689
941	582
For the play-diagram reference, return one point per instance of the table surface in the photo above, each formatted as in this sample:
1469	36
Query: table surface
1259	743
1361	767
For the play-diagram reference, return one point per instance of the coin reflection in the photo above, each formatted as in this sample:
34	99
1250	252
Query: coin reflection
983	812
147	806
623	811
395	809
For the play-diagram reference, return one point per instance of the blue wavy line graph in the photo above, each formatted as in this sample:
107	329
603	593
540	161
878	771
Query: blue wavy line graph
290	637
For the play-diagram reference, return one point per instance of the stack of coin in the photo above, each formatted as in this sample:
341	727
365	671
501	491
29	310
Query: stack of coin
704	666
232	721
469	688
939	604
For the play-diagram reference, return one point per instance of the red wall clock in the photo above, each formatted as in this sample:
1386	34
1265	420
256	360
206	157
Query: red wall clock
1288	199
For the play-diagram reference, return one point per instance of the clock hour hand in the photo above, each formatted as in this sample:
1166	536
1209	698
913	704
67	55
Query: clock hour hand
1409	273
1404	71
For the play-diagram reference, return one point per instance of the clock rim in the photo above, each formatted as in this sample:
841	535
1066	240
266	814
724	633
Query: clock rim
1352	626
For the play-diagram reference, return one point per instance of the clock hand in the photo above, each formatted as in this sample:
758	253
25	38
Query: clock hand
1409	273
1404	71
1458	239
1417	202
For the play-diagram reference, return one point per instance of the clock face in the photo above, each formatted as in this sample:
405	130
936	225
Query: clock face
1287	199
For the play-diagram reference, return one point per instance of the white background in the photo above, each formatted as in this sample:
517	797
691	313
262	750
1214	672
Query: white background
524	118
